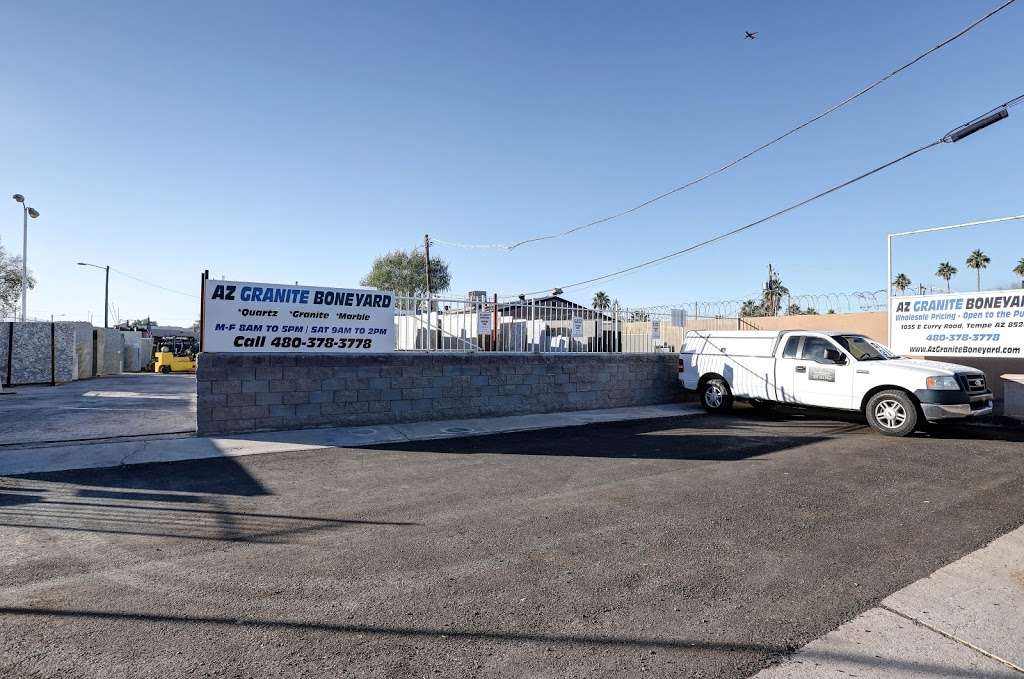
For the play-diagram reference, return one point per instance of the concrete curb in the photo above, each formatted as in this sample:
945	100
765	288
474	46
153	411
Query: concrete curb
29	460
963	620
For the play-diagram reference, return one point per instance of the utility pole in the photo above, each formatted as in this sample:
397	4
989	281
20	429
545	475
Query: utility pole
106	297
430	300
426	247
106	290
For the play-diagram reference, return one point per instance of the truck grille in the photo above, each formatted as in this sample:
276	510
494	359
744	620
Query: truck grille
975	383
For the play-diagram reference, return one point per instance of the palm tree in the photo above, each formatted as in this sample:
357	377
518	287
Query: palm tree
774	291
901	282
945	272
751	308
1019	270
978	260
601	300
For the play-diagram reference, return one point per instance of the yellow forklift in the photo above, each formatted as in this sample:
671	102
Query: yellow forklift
167	362
175	354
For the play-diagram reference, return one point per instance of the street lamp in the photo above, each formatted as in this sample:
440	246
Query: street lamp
106	290
26	213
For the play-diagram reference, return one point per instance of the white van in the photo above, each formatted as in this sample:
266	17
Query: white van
845	371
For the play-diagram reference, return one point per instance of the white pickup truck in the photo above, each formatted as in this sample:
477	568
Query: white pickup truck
845	371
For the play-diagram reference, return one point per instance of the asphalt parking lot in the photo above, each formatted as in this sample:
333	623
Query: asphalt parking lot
133	404
699	546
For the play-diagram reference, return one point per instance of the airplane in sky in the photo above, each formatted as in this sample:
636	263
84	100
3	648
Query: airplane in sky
751	36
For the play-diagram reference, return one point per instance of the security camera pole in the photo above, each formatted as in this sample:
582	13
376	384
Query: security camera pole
26	213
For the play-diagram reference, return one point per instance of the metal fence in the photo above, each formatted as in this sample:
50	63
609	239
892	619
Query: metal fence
537	326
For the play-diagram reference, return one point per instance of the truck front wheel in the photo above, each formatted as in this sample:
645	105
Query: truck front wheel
891	412
715	396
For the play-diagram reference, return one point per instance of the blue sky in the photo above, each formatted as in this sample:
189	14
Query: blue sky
272	142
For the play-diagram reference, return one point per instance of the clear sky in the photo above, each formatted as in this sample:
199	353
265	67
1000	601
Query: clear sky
280	141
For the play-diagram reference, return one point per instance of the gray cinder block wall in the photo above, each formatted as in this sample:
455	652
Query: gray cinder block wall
31	359
239	393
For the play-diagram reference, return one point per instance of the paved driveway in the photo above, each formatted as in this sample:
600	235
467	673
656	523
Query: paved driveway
701	546
104	407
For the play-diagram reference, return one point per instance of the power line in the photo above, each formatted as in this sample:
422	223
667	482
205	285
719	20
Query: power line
732	163
956	134
155	285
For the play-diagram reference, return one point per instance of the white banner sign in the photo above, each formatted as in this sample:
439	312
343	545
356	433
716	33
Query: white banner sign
577	326
959	324
265	317
484	323
655	330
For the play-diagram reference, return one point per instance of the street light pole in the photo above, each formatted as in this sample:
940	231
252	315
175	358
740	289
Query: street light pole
26	212
106	290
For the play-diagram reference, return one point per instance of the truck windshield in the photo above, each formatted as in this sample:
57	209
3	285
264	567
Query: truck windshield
864	348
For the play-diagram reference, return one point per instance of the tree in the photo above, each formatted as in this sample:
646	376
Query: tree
752	308
901	282
1019	270
945	272
601	300
11	283
771	296
978	260
405	273
795	310
557	291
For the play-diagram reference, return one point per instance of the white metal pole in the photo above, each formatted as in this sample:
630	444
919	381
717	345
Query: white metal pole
24	261
888	291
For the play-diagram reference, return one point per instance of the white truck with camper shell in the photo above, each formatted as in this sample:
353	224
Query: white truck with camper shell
844	371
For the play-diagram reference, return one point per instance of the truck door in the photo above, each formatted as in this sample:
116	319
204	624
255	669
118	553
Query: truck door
785	369
822	375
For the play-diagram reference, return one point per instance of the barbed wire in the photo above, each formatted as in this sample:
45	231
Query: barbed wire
820	302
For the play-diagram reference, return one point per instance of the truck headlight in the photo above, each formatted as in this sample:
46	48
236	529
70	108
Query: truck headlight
942	382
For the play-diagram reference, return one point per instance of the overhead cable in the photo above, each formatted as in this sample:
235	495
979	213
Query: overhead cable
732	163
155	285
946	138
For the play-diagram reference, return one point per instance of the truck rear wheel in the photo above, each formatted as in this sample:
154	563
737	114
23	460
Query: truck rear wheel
716	396
891	412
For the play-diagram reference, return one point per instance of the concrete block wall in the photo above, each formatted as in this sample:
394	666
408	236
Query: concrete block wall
240	393
31	359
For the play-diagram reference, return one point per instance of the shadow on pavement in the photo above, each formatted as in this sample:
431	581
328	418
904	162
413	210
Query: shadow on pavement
984	429
770	651
207	476
707	438
158	515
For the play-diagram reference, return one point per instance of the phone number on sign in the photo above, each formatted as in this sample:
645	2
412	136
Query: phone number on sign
977	337
307	343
